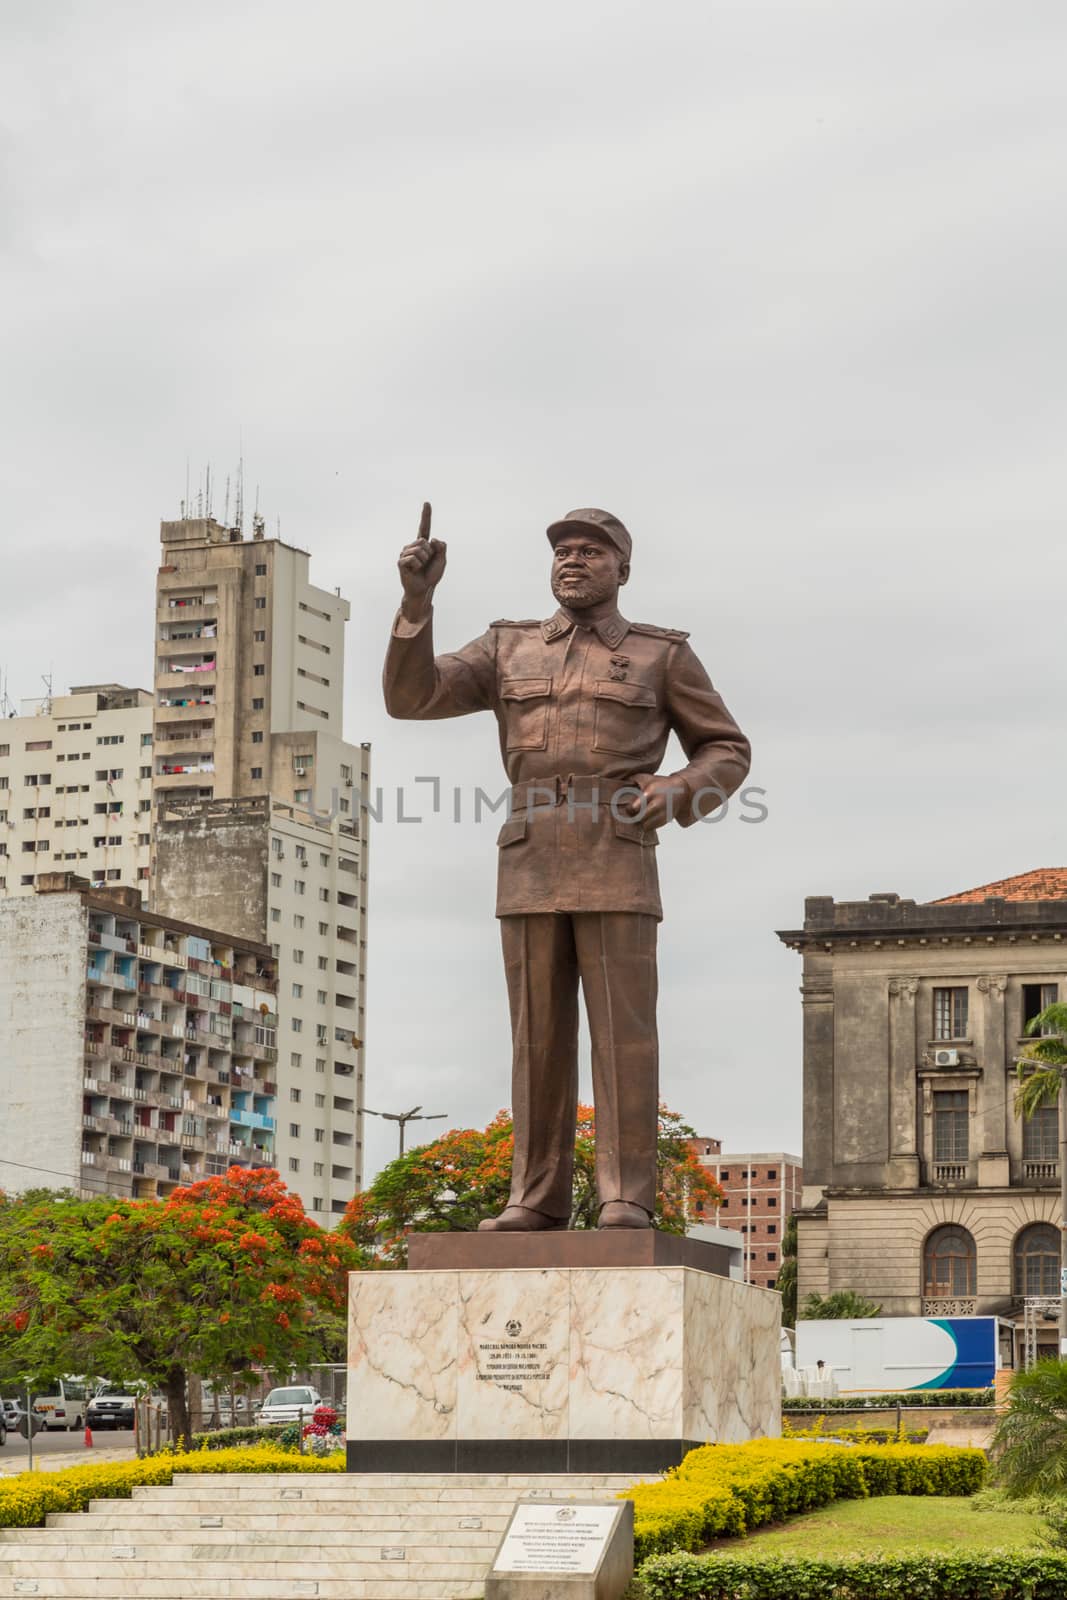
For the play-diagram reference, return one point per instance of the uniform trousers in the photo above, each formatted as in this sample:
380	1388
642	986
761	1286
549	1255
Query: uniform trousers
613	955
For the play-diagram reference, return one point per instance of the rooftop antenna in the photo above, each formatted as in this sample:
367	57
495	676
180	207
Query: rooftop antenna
46	703
200	498
226	507
7	707
239	516
207	493
185	503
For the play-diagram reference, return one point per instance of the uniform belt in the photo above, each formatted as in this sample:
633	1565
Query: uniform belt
583	790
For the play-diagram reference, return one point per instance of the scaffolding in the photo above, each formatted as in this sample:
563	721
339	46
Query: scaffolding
1036	1308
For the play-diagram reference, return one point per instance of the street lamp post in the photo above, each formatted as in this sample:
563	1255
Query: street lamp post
402	1118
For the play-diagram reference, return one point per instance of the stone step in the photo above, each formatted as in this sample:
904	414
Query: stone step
239	1561
406	1587
442	1494
404	1480
289	1526
339	1489
283	1537
269	1544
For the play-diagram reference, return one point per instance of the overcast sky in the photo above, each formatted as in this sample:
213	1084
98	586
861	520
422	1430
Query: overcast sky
779	284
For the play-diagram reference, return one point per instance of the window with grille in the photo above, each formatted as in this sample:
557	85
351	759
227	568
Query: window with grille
951	1120
950	1013
1037	1261
950	1264
1041	1135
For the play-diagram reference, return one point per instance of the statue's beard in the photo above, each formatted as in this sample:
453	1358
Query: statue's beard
581	592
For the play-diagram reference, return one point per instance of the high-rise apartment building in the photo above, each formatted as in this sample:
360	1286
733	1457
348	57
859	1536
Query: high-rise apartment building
139	1051
761	1190
76	788
260	811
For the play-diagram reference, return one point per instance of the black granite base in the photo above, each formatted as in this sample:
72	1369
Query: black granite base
639	1456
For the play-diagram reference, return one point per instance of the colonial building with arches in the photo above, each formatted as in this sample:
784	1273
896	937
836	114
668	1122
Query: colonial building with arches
923	1190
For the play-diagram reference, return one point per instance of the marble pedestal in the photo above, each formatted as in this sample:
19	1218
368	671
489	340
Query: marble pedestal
556	1368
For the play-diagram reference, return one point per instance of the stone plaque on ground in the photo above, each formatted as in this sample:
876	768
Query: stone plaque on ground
588	1548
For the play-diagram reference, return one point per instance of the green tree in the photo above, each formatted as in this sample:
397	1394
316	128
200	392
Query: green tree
223	1275
1041	1075
786	1282
1029	1446
844	1305
465	1175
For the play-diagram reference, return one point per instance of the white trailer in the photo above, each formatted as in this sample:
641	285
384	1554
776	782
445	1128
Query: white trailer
893	1354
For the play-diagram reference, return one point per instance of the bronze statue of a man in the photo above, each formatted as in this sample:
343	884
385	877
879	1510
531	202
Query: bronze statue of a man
584	703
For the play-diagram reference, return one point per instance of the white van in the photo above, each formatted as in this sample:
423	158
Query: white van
63	1404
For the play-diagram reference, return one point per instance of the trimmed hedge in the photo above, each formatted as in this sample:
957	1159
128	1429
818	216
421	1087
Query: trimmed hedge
26	1499
720	1490
230	1438
876	1402
991	1576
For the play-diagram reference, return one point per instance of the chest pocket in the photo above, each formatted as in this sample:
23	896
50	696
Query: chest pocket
624	720
525	702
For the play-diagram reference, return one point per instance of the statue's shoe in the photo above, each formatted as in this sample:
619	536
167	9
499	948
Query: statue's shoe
623	1214
518	1219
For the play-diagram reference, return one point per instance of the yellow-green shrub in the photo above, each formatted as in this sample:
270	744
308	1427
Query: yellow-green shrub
727	1489
25	1500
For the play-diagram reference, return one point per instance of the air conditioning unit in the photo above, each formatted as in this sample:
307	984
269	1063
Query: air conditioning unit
301	772
946	1058
348	783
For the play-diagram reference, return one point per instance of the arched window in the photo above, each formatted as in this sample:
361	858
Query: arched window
950	1264
1037	1260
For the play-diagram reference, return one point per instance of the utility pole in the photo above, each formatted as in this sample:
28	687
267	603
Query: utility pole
402	1118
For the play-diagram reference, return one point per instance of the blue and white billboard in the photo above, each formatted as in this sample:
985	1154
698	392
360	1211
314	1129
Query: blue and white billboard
896	1353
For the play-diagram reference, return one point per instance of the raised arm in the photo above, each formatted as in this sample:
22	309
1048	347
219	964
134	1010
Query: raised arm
419	685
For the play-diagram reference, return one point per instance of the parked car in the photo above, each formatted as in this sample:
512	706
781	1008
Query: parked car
112	1406
3	1430
287	1405
14	1414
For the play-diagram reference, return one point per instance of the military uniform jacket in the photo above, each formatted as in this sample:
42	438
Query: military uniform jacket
577	702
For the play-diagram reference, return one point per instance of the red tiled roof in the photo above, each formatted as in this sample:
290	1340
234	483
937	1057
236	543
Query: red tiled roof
1043	883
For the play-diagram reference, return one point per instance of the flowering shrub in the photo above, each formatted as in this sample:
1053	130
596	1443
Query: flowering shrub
728	1489
854	1434
25	1500
323	1432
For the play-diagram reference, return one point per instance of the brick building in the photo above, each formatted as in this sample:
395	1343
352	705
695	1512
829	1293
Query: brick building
761	1189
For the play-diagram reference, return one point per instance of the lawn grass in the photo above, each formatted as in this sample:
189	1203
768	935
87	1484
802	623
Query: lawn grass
892	1524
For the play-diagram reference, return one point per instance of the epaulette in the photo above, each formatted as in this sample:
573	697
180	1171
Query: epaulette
506	622
658	633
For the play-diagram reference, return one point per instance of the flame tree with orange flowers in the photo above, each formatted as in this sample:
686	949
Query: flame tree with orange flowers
221	1276
466	1174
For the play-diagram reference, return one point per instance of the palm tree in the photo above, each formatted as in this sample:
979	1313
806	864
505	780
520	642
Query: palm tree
786	1282
1041	1076
843	1305
1029	1446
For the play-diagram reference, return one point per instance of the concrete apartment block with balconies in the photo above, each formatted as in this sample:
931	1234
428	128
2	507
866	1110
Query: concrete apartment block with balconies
261	808
76	788
922	1189
246	649
139	1051
259	864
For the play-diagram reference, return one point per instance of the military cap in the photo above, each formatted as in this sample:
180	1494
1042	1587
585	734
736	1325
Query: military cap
591	520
